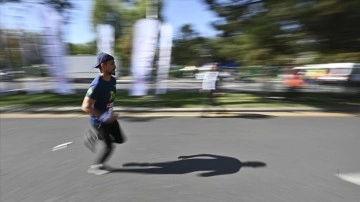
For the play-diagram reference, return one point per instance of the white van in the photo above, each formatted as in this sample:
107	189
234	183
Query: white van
331	72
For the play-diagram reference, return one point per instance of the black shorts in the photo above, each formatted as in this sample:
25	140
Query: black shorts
110	132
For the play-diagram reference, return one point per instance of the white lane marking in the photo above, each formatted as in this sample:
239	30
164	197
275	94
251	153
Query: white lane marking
61	146
350	177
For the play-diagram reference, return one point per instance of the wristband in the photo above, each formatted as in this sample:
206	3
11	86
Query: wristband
105	117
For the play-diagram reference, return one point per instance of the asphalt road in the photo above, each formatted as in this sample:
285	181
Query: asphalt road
255	158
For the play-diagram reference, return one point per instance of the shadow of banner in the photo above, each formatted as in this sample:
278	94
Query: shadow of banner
209	164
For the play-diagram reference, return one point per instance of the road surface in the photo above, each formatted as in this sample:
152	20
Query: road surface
248	158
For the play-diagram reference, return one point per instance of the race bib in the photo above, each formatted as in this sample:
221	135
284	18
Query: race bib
110	107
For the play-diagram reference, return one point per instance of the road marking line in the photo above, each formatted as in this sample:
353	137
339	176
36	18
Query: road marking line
61	146
350	177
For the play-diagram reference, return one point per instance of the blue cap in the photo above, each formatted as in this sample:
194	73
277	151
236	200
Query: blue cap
103	57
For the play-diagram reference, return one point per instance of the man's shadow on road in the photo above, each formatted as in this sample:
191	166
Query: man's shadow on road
209	164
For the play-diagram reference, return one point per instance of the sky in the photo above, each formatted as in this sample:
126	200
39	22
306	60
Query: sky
80	30
195	12
175	12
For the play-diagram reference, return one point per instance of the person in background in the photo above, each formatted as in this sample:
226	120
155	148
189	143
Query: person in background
293	82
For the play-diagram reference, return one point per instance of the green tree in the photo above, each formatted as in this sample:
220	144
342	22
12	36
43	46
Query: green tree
187	32
62	6
247	33
334	23
191	49
275	32
82	49
126	13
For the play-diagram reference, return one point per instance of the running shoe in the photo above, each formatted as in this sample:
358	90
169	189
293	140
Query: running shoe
98	169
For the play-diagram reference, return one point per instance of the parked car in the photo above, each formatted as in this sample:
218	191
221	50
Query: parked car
340	73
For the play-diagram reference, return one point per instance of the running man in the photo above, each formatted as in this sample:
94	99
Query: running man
99	103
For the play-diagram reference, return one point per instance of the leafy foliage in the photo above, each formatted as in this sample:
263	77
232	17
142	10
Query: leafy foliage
277	32
62	6
122	14
82	49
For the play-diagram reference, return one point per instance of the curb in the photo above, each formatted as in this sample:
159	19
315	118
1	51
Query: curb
179	110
